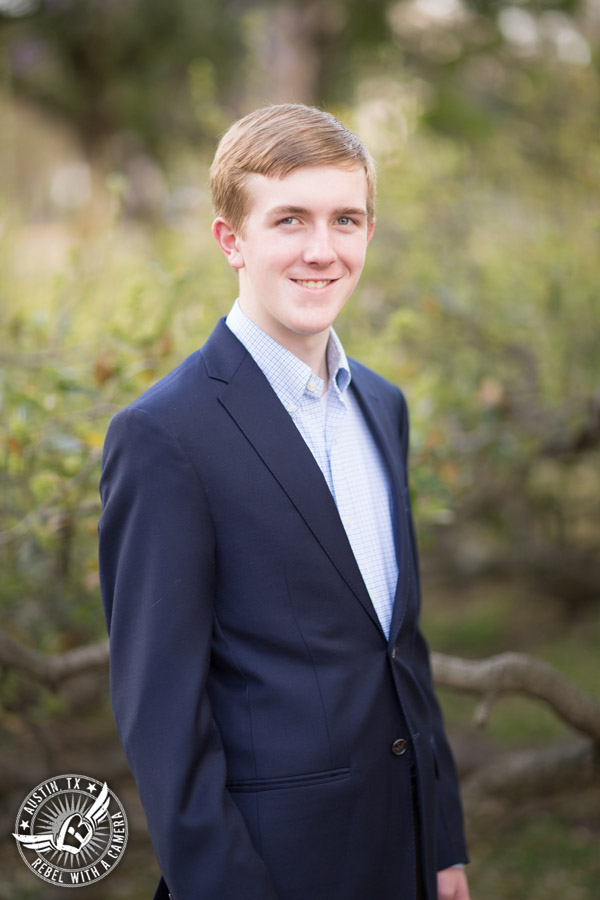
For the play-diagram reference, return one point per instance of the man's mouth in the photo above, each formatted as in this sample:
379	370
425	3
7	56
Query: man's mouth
314	284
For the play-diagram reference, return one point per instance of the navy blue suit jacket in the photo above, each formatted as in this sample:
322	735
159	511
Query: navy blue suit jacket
255	693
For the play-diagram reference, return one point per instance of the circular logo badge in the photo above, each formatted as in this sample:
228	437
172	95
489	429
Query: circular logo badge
71	830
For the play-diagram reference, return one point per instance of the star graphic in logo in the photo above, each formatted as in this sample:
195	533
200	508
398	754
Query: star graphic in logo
24	825
92	787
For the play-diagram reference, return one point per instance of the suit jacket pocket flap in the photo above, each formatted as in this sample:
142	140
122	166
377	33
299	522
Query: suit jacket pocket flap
288	781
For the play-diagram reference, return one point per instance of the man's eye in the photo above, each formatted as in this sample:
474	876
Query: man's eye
344	220
289	220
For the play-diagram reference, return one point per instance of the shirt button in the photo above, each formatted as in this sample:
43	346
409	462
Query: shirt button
399	747
312	385
291	407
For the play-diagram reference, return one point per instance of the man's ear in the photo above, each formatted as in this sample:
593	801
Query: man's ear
227	240
370	231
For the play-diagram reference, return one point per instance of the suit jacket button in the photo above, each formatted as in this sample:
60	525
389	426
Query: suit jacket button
399	747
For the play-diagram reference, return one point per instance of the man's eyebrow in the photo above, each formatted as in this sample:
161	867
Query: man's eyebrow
287	210
355	211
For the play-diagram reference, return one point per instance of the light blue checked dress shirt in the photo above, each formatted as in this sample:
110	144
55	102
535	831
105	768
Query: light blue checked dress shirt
343	446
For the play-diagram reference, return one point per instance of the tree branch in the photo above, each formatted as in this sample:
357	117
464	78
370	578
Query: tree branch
508	673
516	673
52	670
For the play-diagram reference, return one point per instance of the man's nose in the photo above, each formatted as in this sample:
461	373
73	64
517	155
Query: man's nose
320	248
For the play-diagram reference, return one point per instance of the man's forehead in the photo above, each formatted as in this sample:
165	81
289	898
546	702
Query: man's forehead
319	186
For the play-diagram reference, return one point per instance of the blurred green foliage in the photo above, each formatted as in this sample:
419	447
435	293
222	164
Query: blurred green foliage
479	298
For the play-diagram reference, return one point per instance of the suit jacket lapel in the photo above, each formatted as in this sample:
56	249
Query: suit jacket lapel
251	402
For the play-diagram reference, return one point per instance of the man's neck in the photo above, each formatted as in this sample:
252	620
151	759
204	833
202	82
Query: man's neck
311	349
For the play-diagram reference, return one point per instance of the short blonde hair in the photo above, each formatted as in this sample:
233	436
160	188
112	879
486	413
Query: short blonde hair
276	140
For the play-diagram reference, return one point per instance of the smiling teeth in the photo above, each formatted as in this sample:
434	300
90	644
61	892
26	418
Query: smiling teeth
313	284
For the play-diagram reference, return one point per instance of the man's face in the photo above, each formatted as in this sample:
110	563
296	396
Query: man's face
302	250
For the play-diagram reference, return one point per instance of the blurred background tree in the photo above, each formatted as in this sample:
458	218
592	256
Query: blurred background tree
480	298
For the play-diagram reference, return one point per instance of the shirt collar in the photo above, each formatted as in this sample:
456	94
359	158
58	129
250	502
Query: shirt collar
337	364
289	377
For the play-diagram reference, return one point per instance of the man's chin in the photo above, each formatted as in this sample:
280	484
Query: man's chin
309	331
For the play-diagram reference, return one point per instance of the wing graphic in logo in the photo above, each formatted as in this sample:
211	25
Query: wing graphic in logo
98	809
39	842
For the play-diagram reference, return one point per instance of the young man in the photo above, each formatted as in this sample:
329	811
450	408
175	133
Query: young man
270	683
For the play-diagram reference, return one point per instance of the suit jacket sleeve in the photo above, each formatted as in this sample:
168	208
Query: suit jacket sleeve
157	568
451	845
